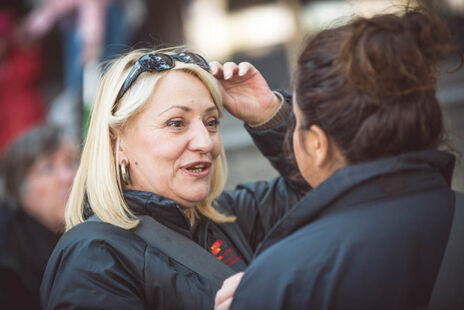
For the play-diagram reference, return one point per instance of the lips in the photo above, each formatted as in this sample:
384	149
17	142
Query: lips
197	169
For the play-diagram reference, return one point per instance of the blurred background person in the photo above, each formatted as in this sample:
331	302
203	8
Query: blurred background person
21	102
92	31
37	171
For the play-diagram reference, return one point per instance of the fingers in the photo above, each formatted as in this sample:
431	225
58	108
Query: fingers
225	305
245	68
216	69
230	71
226	293
233	280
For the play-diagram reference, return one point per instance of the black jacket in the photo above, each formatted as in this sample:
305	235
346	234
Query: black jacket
25	246
97	265
372	236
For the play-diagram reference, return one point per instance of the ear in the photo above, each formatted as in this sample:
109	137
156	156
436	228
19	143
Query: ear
317	144
119	146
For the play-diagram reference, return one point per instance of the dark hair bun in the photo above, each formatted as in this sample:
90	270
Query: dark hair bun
390	55
370	85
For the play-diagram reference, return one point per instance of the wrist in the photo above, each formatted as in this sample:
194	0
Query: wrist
279	113
269	112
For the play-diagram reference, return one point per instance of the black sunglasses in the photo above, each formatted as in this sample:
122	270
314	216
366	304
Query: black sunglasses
158	62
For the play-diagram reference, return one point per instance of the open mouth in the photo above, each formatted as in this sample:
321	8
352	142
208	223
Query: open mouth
197	169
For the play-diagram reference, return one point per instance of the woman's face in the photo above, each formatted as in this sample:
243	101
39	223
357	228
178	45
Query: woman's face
47	186
172	144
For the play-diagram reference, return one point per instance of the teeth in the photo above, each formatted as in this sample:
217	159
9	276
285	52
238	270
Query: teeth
197	168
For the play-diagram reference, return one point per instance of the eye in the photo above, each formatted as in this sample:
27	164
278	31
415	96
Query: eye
72	162
46	168
176	123
212	123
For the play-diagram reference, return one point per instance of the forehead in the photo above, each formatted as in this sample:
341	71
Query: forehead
180	88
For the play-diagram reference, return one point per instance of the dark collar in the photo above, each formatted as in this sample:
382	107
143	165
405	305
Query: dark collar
162	209
364	182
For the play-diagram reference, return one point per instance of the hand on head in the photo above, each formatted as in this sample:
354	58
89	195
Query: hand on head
246	93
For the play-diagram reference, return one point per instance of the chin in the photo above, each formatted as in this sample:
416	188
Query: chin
196	195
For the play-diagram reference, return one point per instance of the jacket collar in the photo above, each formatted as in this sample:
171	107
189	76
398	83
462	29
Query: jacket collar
162	209
415	169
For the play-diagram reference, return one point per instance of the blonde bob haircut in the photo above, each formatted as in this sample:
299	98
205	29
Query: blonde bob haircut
98	182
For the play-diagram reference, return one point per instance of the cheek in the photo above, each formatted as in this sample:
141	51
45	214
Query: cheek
302	158
297	147
217	145
156	149
35	189
37	195
166	151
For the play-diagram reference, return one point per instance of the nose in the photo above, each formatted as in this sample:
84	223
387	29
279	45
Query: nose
66	175
201	140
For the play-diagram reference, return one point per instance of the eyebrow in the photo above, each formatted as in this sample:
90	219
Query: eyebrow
186	109
210	109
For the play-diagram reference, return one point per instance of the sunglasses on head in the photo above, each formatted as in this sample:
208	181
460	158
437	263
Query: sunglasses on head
158	62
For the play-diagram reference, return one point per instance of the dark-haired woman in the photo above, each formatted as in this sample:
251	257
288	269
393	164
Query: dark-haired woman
37	170
372	232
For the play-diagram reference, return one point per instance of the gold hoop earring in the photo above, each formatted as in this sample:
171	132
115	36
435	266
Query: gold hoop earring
125	172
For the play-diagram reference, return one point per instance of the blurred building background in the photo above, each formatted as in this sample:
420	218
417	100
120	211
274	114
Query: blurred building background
269	35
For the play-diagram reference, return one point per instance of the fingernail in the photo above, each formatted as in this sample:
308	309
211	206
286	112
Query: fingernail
227	76
213	69
241	71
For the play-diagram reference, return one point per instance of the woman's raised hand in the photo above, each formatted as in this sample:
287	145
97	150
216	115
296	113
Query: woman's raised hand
245	92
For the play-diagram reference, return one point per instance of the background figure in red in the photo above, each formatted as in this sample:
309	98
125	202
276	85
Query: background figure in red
21	103
92	31
37	170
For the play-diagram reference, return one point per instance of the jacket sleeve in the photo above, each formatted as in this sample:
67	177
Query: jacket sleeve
258	206
275	144
92	275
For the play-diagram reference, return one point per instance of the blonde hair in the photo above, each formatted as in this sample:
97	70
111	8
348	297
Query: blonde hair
97	181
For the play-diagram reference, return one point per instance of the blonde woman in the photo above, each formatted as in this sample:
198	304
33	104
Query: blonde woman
154	149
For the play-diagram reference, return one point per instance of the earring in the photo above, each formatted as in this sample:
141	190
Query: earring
125	172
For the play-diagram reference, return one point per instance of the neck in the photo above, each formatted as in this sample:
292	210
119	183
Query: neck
335	163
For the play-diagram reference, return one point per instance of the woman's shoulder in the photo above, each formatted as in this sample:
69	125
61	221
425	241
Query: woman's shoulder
89	236
92	258
94	247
